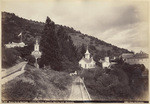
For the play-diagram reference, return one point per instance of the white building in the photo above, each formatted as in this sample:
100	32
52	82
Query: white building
87	62
138	58
13	45
126	55
36	53
105	63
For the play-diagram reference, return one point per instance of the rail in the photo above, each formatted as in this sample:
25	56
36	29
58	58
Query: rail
85	89
81	89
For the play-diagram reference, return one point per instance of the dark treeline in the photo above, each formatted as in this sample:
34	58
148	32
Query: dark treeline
122	82
57	47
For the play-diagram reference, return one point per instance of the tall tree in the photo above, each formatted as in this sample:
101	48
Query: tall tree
83	49
50	49
66	45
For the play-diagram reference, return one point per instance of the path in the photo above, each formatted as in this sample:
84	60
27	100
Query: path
79	91
11	73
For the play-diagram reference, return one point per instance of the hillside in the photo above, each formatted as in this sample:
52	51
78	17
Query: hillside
12	25
37	84
34	28
62	47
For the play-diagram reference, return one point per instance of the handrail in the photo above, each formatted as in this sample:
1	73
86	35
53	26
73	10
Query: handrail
86	90
81	89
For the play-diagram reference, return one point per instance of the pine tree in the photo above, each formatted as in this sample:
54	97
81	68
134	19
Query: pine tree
50	49
83	50
66	45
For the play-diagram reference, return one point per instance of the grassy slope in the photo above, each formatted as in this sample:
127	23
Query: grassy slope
33	28
38	84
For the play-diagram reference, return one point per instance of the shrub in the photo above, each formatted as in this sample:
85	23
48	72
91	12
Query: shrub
116	83
30	59
10	56
38	84
20	91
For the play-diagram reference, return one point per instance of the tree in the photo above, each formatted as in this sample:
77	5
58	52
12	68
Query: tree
49	46
83	50
9	57
66	45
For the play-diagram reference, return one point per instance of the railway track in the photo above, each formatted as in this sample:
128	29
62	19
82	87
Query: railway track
84	91
79	91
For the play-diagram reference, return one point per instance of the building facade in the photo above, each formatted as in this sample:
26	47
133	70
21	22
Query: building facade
36	53
87	62
126	55
105	63
138	58
13	45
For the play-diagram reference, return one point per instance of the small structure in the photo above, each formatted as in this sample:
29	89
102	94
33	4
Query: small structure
105	63
87	62
75	73
36	53
126	55
13	44
138	58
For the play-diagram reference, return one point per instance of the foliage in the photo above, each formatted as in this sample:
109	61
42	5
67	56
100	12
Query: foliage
25	51
50	49
30	59
12	25
38	84
121	82
137	83
81	51
69	66
66	45
9	57
19	91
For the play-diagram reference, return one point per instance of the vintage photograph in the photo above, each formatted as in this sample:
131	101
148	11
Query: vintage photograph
91	51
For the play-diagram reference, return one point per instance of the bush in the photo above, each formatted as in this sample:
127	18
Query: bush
30	59
20	91
38	84
137	83
10	56
118	83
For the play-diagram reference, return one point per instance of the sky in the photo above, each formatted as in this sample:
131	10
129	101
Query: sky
124	24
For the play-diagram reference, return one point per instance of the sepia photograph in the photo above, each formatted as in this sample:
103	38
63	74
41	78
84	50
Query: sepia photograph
77	51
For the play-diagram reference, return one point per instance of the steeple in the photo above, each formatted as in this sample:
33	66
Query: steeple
87	54
36	46
36	41
36	53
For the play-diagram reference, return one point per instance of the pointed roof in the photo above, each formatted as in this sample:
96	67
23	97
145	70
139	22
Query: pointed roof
87	51
36	41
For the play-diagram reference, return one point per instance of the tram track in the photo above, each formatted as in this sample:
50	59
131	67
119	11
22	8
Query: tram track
79	91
